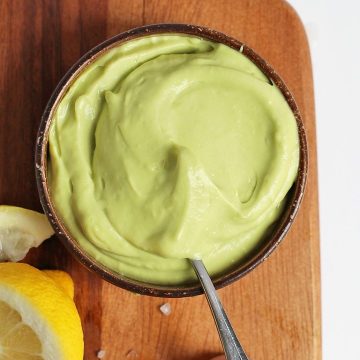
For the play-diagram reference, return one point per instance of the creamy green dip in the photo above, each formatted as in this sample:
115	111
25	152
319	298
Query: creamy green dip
167	148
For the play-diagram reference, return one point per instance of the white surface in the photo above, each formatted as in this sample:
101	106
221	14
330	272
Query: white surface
333	29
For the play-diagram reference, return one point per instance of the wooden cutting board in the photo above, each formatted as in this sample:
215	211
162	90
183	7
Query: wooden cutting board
275	309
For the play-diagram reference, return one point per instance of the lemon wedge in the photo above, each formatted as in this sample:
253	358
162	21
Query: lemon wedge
20	230
39	320
62	280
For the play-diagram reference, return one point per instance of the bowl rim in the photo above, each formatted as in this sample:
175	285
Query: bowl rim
283	224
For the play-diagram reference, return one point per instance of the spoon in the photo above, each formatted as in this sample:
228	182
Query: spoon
231	345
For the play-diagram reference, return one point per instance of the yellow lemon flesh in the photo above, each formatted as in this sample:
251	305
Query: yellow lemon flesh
20	230
39	320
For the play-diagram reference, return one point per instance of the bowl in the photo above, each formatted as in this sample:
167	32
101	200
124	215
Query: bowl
263	250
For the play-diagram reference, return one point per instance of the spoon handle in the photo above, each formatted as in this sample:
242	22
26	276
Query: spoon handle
232	348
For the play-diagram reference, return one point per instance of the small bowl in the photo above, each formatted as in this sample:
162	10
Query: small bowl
265	248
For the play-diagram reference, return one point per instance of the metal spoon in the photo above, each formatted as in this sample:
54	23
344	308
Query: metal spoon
232	348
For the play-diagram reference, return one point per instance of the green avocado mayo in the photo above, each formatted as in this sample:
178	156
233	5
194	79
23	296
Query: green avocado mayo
171	147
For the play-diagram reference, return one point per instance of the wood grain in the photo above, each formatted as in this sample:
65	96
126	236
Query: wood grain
276	308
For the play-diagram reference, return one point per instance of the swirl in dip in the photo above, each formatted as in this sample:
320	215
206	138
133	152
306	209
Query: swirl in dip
170	147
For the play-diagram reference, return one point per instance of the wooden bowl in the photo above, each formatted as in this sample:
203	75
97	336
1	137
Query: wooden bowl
265	248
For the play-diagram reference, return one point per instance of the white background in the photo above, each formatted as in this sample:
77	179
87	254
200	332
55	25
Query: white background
333	28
